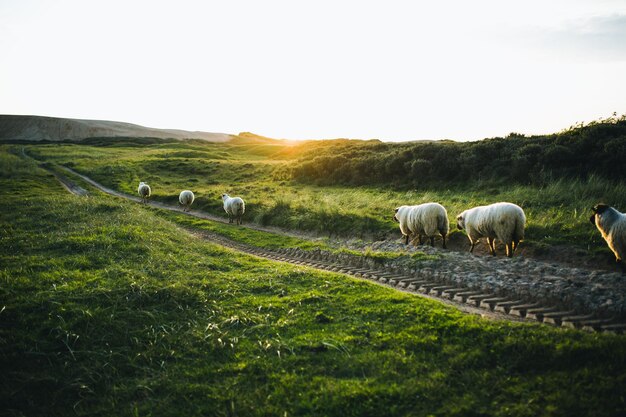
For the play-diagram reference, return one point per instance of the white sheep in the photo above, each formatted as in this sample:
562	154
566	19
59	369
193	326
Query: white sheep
504	221
185	198
234	207
423	220
612	225
144	192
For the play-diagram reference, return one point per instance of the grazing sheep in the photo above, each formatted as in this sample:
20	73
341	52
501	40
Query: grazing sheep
423	220
144	192
504	221
185	199
612	225
234	207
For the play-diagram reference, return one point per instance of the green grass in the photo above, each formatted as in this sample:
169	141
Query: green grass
557	213
245	235
254	237
107	308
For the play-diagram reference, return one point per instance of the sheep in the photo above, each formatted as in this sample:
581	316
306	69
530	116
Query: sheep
423	220
185	199
504	221
144	192
612	225
234	207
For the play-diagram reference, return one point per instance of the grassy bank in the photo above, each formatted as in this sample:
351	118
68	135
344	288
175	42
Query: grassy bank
109	309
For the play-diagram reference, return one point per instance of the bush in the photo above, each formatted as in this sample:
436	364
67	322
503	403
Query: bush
595	149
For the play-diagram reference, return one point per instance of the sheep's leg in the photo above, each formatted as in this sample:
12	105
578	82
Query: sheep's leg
492	245
509	249
420	239
406	239
432	241
473	245
443	235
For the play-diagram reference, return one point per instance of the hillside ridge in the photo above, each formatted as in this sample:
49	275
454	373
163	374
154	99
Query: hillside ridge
43	128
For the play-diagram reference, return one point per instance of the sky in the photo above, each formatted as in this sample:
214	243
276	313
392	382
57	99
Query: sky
392	70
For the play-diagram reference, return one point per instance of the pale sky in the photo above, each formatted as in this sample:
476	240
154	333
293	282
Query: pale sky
393	70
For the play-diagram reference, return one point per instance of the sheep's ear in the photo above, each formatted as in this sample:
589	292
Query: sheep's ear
396	210
600	208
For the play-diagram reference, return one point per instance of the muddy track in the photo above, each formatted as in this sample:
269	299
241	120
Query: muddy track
423	282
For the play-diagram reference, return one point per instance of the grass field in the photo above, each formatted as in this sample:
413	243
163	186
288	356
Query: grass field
557	213
109	308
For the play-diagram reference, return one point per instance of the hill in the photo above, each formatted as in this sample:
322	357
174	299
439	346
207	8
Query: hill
40	128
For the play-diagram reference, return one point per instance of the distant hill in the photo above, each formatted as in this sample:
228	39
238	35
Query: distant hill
38	128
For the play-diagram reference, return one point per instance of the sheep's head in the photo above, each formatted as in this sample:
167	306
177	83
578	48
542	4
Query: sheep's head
460	221
395	216
225	196
597	209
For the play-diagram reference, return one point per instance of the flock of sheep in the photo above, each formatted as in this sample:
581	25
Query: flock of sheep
233	206
502	221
